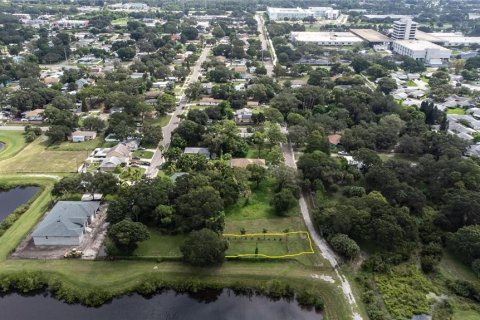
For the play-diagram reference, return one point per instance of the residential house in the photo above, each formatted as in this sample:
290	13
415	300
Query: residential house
209	102
243	116
66	224
207	87
109	164
82	136
202	151
334	139
252	104
34	115
120	150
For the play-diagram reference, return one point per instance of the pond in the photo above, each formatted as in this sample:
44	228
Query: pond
14	198
208	305
1	145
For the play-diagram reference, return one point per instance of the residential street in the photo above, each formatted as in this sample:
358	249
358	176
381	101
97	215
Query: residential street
263	39
325	249
157	159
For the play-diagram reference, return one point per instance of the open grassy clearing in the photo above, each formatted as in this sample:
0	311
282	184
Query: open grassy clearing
411	83
77	146
271	245
455	111
144	154
36	158
14	142
159	122
160	245
258	205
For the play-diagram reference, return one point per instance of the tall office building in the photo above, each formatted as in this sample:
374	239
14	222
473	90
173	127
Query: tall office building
404	29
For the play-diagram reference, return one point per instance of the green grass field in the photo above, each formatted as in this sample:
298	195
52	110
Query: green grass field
270	245
258	206
14	142
77	146
455	111
36	158
144	154
159	122
411	83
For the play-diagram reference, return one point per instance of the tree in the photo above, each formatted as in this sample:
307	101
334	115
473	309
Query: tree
197	116
194	90
316	141
412	65
165	103
100	182
257	173
360	64
63	102
466	243
57	134
366	158
126	53
218	32
190	33
151	135
66	185
204	248
283	201
274	134
387	85
94	124
345	246
200	208
317	77
126	234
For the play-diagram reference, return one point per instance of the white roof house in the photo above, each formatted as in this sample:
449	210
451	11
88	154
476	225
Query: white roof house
193	150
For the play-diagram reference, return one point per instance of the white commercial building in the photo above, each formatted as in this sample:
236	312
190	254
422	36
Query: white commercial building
326	38
324	12
422	50
276	14
404	29
449	39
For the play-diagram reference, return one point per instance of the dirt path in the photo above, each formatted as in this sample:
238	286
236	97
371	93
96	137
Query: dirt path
325	250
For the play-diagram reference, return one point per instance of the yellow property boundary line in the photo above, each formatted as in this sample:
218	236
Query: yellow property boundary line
272	234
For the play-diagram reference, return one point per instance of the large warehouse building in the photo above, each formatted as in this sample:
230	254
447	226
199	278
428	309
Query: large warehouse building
326	38
421	50
448	39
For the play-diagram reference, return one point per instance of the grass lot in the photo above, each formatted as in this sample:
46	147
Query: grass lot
14	142
159	122
120	22
269	244
77	146
254	154
257	207
411	83
132	173
36	158
160	245
144	154
455	111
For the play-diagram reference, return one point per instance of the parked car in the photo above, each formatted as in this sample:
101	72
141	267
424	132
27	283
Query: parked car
136	158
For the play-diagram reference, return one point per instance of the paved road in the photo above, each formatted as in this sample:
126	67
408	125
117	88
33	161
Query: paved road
157	159
325	250
263	39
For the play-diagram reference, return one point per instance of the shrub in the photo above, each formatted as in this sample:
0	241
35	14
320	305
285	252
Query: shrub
345	246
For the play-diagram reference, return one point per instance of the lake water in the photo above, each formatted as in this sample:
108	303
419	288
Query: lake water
13	198
208	305
2	145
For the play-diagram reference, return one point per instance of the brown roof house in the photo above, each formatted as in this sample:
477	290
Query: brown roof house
334	139
82	136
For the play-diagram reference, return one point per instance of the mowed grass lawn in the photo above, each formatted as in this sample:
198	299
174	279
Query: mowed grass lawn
455	111
144	154
272	245
14	142
77	146
37	158
160	245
